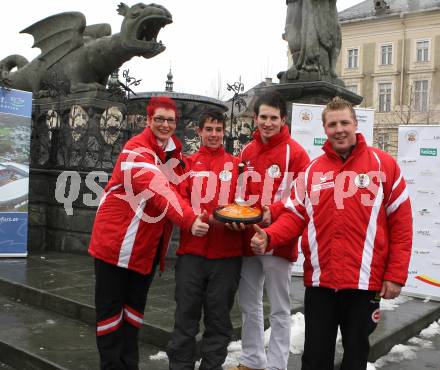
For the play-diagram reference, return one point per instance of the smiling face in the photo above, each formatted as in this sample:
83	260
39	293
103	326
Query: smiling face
163	124
212	133
340	127
269	122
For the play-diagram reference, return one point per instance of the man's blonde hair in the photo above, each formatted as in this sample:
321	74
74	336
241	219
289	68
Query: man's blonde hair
337	103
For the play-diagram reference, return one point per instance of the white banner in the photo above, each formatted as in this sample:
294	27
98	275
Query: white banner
419	160
308	131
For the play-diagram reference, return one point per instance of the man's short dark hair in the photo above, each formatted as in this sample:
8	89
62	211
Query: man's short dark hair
274	100
212	114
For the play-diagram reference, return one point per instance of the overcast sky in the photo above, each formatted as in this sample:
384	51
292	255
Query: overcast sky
209	43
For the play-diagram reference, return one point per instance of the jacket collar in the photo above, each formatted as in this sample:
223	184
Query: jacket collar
173	148
213	152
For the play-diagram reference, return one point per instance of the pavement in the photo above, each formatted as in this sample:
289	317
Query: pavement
47	315
422	358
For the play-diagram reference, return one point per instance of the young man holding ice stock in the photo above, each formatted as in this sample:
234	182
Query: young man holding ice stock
208	267
353	211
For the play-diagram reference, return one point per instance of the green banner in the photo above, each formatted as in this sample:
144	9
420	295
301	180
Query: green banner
430	152
319	141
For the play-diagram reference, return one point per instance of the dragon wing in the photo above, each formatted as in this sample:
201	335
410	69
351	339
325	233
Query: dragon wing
57	35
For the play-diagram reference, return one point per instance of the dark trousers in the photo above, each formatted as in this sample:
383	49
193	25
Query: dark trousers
120	297
209	285
355	311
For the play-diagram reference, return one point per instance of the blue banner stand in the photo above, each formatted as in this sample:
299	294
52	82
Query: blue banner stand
15	134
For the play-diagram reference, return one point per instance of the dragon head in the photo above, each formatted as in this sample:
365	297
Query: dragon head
141	26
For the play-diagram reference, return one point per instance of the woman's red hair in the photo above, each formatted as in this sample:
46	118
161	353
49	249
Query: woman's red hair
164	102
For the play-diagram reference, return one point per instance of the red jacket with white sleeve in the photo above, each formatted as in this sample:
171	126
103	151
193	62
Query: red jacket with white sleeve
212	183
271	168
354	217
139	205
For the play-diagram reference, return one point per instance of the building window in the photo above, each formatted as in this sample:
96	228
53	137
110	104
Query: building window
384	97
420	96
386	54
352	58
383	141
422	51
352	88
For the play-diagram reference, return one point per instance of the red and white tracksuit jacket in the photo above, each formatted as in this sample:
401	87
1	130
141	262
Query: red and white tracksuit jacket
212	183
139	205
354	217
271	168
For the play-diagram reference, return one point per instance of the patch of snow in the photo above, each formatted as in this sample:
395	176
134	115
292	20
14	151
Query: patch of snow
403	352
392	304
423	343
370	366
431	331
234	354
398	353
161	355
297	333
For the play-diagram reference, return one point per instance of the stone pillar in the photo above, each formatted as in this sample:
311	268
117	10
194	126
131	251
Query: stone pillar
73	137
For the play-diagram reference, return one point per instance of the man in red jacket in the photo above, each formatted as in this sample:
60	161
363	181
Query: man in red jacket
273	160
132	229
208	267
353	211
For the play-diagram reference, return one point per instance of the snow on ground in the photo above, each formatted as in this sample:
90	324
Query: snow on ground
431	331
402	352
234	348
398	353
391	304
161	355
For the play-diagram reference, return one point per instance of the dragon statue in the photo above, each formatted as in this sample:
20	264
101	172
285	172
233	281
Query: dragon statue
82	57
314	38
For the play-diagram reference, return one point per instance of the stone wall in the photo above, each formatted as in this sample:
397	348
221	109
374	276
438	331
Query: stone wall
75	139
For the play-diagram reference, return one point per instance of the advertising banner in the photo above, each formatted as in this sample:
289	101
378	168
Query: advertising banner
308	131
419	160
15	135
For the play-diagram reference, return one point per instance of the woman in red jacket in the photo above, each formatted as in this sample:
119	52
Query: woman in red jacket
131	232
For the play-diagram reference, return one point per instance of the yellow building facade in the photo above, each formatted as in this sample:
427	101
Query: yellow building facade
390	55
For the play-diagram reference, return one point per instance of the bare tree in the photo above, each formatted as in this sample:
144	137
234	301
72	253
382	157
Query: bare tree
417	110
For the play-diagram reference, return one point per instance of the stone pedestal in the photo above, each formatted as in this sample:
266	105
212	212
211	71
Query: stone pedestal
73	137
